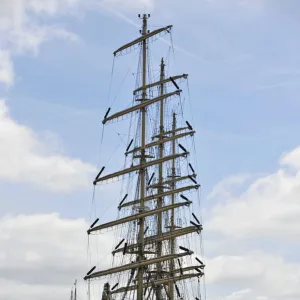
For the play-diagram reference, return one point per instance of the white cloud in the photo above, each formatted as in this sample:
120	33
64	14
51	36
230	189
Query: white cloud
225	187
6	68
257	275
25	158
41	255
291	159
22	30
52	7
269	207
146	5
252	5
15	290
261	214
238	295
38	246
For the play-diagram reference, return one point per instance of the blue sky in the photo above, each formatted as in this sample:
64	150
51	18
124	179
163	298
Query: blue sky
243	62
244	93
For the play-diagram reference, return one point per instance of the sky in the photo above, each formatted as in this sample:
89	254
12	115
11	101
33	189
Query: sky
242	57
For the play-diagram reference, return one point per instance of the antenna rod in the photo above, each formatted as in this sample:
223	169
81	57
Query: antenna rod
142	161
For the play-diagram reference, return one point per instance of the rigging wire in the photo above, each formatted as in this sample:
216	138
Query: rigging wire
197	169
110	80
199	191
172	45
93	204
120	87
151	121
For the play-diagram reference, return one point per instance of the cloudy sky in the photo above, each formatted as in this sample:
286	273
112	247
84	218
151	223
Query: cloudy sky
244	65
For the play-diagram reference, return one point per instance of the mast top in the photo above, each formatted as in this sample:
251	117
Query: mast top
144	17
145	34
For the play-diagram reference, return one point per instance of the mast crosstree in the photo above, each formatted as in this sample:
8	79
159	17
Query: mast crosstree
155	263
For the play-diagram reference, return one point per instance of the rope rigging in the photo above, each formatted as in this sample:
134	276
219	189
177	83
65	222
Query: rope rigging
125	236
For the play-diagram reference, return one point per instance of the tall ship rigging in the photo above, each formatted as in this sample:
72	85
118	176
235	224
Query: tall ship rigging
158	246
74	291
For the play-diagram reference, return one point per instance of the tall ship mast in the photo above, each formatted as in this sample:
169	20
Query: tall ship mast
74	292
158	252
